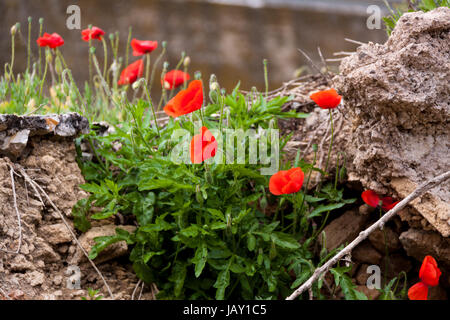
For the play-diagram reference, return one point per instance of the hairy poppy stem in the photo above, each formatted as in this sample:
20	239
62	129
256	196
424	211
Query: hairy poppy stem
29	44
183	54
43	79
128	45
266	77
156	64
147	69
331	142
12	56
105	56
41	22
151	106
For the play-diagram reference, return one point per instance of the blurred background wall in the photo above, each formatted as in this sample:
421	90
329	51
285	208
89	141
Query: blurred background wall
229	38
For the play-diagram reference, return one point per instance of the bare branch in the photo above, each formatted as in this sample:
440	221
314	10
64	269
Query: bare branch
354	41
421	190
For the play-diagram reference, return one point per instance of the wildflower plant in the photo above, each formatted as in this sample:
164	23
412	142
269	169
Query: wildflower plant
208	227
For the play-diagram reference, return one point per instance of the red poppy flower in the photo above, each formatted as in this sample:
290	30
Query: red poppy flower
286	181
429	277
141	47
429	272
93	33
327	99
186	101
419	291
372	199
50	40
203	146
174	79
132	72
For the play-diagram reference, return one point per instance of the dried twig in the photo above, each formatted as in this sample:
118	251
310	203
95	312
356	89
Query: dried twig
421	190
142	290
19	221
354	41
135	289
37	186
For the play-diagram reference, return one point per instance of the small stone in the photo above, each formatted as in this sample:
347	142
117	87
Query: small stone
365	209
113	251
57	280
20	264
362	275
343	229
15	144
56	233
376	238
36	278
366	253
419	243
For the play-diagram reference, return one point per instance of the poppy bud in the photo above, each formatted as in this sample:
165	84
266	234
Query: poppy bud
198	75
58	65
198	194
229	220
41	21
187	61
214	86
30	19
315	147
48	57
92	50
164	44
13	30
111	36
165	65
136	85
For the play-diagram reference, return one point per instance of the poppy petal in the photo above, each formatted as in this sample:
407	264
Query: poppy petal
371	198
326	99
419	291
429	272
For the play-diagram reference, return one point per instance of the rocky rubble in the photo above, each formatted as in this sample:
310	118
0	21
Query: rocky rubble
395	126
398	97
44	147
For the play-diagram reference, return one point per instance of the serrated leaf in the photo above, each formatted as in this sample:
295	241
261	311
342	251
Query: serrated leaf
324	208
284	240
200	258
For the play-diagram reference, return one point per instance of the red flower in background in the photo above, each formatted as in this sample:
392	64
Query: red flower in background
174	79
429	277
141	47
286	181
327	99
372	199
186	101
203	146
131	73
50	40
93	33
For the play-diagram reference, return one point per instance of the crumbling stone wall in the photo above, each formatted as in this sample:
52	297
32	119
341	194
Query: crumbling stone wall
398	96
43	146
